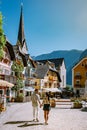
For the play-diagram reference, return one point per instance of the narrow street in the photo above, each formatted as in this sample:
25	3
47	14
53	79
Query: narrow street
19	116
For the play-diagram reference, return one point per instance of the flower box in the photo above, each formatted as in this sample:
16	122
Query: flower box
77	105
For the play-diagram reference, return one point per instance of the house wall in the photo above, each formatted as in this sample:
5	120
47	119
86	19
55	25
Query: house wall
49	81
79	76
5	63
62	73
5	71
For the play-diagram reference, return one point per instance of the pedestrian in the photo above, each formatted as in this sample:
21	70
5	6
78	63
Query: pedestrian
46	107
35	98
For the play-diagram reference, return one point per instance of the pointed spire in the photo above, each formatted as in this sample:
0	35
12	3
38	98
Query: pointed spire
21	42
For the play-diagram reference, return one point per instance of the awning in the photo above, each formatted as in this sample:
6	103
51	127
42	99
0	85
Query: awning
28	89
52	90
4	83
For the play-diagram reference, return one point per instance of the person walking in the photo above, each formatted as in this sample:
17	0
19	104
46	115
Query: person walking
35	98
46	107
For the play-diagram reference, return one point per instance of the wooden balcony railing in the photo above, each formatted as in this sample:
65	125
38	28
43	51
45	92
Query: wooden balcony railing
78	86
9	78
52	78
78	76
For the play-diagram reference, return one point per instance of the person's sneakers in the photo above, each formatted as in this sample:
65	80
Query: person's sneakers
37	120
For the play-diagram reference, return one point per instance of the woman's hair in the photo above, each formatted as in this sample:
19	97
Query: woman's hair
48	96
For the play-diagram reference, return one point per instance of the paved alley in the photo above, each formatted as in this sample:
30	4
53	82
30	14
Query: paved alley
18	116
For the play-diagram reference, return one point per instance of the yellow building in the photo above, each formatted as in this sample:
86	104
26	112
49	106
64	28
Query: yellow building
60	66
79	76
46	77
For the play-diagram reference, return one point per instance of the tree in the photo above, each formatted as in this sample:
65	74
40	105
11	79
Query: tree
18	68
2	37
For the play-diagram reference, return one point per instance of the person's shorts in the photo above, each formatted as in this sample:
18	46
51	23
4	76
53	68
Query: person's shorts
46	107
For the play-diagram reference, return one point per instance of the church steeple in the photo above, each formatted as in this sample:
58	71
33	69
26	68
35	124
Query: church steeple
21	42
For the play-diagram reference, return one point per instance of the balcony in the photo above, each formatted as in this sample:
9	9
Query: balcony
8	78
78	76
78	86
55	78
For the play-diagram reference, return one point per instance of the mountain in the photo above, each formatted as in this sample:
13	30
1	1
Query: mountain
70	57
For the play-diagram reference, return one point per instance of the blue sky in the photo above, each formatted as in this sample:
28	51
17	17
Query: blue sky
49	25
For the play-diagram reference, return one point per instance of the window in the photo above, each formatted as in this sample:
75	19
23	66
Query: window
77	73
86	74
82	64
1	91
35	83
13	73
50	85
6	71
63	80
77	81
45	84
55	85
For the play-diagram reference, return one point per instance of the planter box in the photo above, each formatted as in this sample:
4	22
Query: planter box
19	99
77	105
53	103
2	108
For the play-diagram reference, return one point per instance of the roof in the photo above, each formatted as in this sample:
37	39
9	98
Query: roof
42	70
57	61
32	62
11	50
23	58
83	54
28	58
78	62
21	37
16	50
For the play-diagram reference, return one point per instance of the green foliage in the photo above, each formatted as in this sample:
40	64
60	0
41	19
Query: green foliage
69	88
77	104
21	95
2	37
17	67
77	101
20	83
1	53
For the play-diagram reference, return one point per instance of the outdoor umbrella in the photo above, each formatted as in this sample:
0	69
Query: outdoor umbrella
28	89
52	90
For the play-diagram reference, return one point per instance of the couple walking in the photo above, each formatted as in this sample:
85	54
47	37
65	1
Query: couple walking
35	98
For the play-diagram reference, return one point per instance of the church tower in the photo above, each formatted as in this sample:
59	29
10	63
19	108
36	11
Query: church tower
21	42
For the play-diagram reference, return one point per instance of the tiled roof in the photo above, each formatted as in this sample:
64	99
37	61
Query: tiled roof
83	54
57	61
11	51
42	70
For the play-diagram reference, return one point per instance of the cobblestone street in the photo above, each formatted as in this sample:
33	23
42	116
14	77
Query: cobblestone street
19	116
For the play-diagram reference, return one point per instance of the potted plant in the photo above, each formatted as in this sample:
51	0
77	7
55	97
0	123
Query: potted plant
53	103
20	98
77	104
